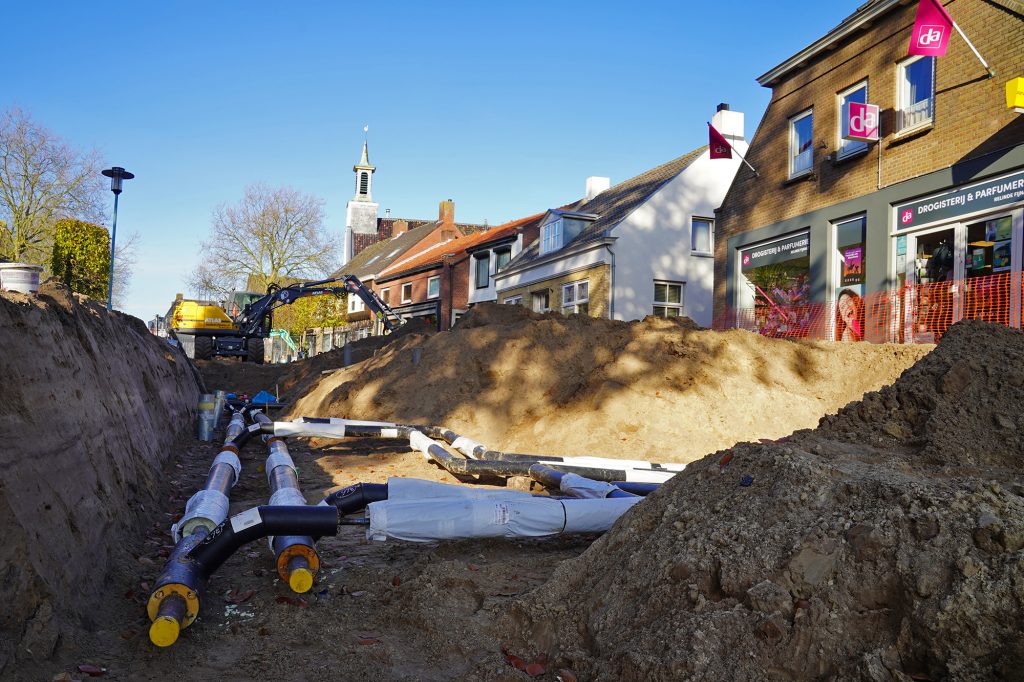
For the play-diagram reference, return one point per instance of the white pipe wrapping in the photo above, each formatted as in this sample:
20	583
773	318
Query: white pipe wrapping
577	486
470	448
287	497
206	508
450	518
418	489
332	428
607	463
231	459
278	459
418	441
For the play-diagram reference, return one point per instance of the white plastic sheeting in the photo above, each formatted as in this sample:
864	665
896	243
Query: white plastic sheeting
231	459
468	513
206	508
577	486
335	428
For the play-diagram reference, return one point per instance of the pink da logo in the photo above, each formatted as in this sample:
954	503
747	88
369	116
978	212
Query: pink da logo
861	121
907	217
746	259
930	36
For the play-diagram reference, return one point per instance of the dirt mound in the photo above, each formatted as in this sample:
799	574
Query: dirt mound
885	545
92	405
576	385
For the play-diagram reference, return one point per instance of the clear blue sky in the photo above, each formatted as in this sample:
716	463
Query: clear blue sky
504	107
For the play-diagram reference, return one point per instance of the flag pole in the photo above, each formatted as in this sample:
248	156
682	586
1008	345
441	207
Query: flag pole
745	161
991	71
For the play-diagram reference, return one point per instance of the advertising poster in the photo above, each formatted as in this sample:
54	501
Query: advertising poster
1001	256
853	265
1003	228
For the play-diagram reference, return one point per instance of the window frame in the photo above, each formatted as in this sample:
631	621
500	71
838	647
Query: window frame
655	303
385	294
482	259
534	295
711	236
847	148
407	299
498	253
793	154
902	90
573	305
550	237
513	300
430	280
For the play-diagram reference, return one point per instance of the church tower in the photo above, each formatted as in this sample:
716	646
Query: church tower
361	210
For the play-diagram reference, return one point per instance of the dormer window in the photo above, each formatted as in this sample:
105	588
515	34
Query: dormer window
551	237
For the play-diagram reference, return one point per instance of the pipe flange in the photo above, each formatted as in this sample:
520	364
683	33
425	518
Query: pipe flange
190	596
304	551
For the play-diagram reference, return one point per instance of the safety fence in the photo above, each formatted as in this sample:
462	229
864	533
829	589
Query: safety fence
919	313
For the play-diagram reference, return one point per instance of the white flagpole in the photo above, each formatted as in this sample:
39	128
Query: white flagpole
991	71
734	150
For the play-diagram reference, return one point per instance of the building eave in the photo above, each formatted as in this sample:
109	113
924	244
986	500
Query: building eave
858	20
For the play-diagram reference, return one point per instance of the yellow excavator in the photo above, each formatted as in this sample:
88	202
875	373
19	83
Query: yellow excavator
205	330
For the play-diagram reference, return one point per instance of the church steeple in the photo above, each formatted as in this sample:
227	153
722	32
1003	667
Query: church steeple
364	176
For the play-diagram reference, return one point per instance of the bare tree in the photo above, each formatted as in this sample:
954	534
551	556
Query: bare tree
126	254
42	179
271	235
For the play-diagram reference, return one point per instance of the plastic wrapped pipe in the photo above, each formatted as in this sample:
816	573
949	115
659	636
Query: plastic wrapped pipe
310	427
575	485
297	558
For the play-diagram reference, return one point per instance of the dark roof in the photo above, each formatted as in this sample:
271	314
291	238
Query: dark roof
375	258
613	205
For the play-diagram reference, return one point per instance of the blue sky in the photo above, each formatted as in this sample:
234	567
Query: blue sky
504	107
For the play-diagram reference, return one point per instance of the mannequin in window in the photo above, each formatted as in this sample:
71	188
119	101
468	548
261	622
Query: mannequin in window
940	265
849	317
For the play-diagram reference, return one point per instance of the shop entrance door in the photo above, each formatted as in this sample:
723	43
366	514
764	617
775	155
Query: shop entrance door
932	298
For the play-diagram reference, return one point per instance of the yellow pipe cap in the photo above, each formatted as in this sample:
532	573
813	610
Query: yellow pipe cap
164	631
300	580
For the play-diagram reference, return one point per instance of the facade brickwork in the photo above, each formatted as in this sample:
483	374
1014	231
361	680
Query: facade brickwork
970	119
599	285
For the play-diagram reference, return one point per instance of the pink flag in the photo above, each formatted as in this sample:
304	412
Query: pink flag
932	27
719	146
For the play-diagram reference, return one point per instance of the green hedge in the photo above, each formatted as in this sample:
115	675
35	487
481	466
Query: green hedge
81	257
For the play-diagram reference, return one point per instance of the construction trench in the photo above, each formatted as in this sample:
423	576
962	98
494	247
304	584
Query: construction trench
747	508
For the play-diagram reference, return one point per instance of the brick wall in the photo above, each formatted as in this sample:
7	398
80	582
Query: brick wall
454	289
599	278
971	119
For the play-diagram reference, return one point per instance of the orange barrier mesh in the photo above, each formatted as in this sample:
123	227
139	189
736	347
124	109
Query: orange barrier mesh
918	313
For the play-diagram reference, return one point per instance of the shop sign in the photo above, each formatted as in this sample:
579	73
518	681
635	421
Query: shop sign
860	122
985	195
792	247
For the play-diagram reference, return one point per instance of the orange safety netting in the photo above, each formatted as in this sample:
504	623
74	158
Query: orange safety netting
918	313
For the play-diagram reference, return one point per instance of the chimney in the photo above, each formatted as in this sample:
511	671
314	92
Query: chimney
446	212
400	226
387	213
596	185
729	123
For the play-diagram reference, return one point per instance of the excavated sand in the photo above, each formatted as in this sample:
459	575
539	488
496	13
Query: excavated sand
659	389
91	407
884	545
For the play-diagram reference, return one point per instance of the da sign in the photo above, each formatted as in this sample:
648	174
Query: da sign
860	121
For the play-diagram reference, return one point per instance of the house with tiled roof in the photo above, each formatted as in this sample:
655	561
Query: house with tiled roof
642	247
440	282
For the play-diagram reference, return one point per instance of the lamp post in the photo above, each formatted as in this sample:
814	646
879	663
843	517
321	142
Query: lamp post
116	175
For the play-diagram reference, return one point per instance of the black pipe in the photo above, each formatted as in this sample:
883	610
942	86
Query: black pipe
641	489
224	540
551	478
458	466
356	497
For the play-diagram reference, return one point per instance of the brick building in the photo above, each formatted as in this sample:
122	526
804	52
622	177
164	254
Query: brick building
935	203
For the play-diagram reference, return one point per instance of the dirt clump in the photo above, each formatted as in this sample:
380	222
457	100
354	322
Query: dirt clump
576	385
886	544
92	406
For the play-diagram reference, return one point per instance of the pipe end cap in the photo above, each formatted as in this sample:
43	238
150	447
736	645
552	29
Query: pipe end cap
164	631
301	580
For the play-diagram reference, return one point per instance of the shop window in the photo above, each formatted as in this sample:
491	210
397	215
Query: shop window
859	94
551	237
775	285
668	299
848	291
576	297
916	78
801	143
407	293
541	301
483	270
986	293
433	287
702	233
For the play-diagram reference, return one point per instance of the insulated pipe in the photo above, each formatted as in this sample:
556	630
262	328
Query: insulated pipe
355	497
297	558
575	485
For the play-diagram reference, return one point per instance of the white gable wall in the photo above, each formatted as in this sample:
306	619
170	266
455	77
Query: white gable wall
653	242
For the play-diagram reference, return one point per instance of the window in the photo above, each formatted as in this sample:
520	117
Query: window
355	304
576	297
702	232
849	279
502	257
668	299
541	301
859	94
364	183
385	295
551	237
407	293
483	270
916	79
801	143
513	300
433	287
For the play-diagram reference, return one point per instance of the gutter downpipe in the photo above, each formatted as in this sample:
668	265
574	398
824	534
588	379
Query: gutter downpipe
611	287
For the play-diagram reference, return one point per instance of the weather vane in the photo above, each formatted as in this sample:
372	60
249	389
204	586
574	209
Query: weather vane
366	129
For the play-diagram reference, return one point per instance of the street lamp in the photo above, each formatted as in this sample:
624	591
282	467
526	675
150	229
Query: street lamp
116	175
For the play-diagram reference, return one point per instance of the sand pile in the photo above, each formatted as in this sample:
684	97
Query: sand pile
576	385
92	404
885	545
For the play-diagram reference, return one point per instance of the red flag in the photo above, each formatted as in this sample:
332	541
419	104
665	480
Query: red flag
932	28
719	146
